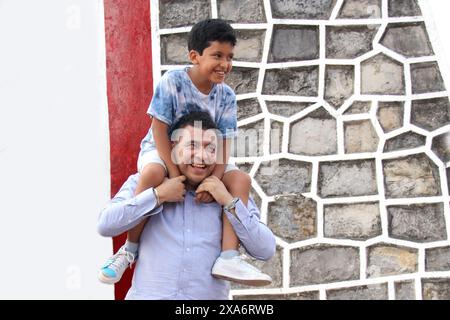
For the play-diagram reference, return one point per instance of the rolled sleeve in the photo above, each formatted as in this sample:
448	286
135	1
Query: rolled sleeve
255	236
125	210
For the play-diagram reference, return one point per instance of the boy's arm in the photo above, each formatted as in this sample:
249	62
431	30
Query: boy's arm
219	170
164	146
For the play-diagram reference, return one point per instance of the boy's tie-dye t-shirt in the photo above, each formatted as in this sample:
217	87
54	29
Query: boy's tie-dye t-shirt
176	95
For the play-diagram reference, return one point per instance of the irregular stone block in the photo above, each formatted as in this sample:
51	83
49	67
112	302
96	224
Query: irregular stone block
323	264
349	42
294	43
286	109
347	178
412	176
314	135
426	77
272	267
248	108
360	136
430	114
382	75
249	45
243	80
284	176
387	260
448	178
405	290
309	295
390	115
302	9
174	49
250	140
359	107
360	9
179	13
437	259
403	8
256	198
404	141
302	81
436	289
276	136
359	221
241	11
293	218
245	166
418	222
441	146
408	39
369	292
339	84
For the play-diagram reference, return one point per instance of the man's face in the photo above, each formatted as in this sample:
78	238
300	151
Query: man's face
195	153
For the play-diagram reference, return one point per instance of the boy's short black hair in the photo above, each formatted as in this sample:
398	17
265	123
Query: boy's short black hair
206	31
190	118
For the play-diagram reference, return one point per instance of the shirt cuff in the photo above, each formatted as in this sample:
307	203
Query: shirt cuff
147	203
242	214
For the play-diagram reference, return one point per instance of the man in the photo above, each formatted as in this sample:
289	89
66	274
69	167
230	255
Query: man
182	239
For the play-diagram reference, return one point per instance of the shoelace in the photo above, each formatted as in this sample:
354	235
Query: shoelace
119	263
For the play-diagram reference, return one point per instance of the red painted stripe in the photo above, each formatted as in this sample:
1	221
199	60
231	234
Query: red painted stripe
130	88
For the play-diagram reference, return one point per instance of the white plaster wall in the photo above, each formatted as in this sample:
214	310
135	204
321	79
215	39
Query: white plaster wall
54	149
438	24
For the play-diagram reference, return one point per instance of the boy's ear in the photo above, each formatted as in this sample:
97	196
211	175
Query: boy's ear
193	56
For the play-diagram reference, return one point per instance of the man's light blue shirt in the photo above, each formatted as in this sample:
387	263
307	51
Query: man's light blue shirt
181	242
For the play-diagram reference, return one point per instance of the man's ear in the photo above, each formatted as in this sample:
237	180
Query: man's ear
193	56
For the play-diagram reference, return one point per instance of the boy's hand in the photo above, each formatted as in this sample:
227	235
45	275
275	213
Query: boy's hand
205	197
217	189
172	190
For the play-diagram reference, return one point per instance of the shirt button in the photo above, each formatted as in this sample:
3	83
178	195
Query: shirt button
185	270
187	249
188	230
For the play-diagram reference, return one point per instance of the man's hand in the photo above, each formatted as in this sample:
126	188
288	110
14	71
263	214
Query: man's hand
204	196
172	190
217	189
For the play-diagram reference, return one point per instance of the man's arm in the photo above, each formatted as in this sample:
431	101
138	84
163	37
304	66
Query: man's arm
125	210
257	239
255	236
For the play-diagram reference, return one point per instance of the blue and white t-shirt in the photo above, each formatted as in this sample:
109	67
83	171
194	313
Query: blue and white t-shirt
176	95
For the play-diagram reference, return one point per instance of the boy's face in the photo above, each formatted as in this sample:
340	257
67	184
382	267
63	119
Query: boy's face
215	62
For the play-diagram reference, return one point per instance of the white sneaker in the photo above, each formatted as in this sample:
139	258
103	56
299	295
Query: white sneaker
237	270
114	268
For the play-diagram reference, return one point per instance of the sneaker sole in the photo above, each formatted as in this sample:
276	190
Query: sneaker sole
106	280
253	283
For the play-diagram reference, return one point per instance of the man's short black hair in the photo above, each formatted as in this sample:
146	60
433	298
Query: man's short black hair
209	30
190	118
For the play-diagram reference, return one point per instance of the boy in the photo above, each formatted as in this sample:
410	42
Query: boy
211	45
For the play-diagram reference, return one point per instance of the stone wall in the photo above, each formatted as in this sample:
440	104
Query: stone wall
346	120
